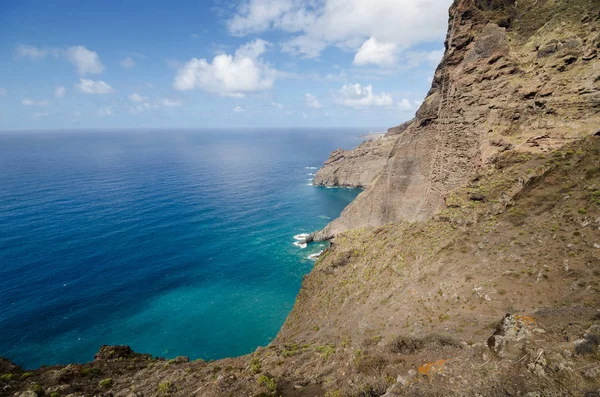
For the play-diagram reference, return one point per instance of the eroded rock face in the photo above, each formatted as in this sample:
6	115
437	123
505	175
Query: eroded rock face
355	168
520	76
399	129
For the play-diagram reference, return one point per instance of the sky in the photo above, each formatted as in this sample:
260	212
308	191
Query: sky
216	64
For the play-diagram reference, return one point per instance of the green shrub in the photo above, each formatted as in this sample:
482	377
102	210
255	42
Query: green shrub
255	366
37	389
6	377
106	382
326	351
267	382
165	388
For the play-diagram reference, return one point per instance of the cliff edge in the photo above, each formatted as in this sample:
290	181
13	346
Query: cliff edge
516	76
357	167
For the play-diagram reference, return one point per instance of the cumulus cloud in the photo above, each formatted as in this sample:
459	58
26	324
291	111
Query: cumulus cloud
239	109
228	75
312	101
84	60
93	87
135	97
373	51
31	102
127	63
60	91
357	96
343	23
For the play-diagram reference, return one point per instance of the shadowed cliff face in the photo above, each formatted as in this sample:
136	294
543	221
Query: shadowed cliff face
522	76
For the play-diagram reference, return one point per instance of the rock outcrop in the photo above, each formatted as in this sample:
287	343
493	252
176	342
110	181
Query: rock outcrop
357	167
521	76
399	129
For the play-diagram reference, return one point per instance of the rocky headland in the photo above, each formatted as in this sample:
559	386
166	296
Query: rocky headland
469	265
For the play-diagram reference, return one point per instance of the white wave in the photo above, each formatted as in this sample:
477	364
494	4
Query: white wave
300	244
311	174
301	237
310	168
315	256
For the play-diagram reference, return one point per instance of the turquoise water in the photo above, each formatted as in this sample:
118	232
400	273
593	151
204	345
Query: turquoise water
172	242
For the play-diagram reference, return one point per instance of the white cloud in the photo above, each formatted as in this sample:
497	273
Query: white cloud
253	49
60	91
35	53
86	61
31	102
127	63
135	97
93	87
171	103
416	58
105	111
407	105
373	51
357	96
312	101
229	75
239	109
343	23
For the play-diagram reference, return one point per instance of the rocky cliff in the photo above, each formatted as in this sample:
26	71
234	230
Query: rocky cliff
486	283
355	168
516	76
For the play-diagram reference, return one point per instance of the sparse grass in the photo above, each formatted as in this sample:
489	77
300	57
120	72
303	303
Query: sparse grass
106	383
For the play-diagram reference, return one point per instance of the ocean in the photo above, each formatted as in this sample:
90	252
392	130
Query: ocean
174	242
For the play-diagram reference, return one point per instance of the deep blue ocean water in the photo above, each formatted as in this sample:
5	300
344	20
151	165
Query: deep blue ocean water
172	242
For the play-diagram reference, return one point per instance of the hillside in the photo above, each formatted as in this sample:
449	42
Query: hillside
496	295
469	266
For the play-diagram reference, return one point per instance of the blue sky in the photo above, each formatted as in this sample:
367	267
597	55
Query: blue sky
197	64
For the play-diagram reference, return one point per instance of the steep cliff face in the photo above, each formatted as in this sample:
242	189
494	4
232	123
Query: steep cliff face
498	294
516	76
357	167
